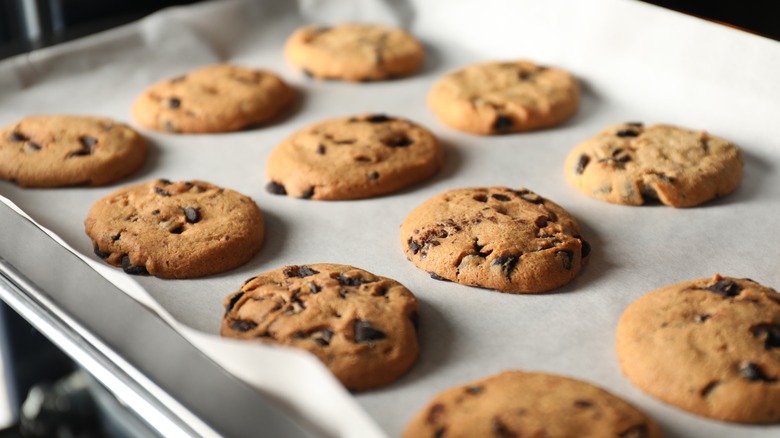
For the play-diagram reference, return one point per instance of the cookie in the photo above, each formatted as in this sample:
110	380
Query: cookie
494	237
363	327
530	404
354	157
182	229
354	52
709	346
632	164
216	98
504	97
60	150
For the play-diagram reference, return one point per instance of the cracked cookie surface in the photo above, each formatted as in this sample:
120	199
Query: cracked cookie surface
632	164
709	346
354	52
363	327
353	157
530	404
495	237
216	98
182	229
504	97
63	150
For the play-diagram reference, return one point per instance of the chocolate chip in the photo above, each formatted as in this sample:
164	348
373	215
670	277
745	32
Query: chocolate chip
414	246
275	188
566	258
243	325
582	163
701	318
164	181
726	288
80	153
397	140
15	136
529	196
627	133
299	271
480	198
173	103
234	299
585	247
365	332
583	404
378	118
322	337
636	431
524	75
192	215
161	192
132	270
88	142
772	333
752	372
155	212
436	276
177	230
353	281
308	193
502	123
474	390
501	430
321	149
32	147
373	176
99	253
313	287
248	280
708	388
507	263
500	197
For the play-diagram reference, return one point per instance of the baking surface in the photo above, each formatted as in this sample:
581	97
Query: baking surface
635	62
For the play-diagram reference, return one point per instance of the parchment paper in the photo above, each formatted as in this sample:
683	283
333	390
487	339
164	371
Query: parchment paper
636	63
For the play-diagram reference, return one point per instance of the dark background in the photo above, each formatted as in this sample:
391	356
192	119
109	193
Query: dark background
62	20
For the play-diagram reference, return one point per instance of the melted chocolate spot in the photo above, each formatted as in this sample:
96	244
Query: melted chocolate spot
353	281
414	247
177	230
299	271
500	197
321	149
772	333
161	192
365	332
566	257
753	373
507	263
583	404
275	188
398	140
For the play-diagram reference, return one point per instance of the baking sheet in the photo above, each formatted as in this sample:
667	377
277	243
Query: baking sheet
636	63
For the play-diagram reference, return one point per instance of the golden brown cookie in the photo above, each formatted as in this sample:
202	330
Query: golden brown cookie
354	52
60	150
363	327
504	97
494	237
353	157
526	404
632	164
709	346
182	229
216	98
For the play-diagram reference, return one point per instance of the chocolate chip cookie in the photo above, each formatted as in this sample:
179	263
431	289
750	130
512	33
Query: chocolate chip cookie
632	164
182	229
709	346
67	150
363	327
216	98
504	97
494	237
354	52
528	404
353	157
